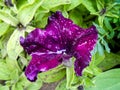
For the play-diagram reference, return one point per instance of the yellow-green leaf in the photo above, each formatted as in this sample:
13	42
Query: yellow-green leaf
13	45
26	13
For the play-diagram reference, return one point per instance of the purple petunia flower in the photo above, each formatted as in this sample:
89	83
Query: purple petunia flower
61	40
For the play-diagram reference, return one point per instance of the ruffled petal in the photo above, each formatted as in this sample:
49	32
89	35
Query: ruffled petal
84	44
41	63
83	58
58	34
64	28
40	41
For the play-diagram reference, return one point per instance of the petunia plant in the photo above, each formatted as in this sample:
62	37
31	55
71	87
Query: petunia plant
73	44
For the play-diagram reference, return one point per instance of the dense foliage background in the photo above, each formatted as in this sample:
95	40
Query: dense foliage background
19	17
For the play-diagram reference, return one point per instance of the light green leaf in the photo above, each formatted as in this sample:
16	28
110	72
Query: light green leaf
17	86
14	74
13	46
72	80
26	13
106	45
110	14
109	80
73	4
6	17
31	1
92	70
27	85
96	59
87	82
76	17
100	48
29	29
69	76
100	4
110	61
4	72
48	4
34	86
4	87
53	75
3	28
100	20
9	70
100	29
89	4
61	85
41	20
12	65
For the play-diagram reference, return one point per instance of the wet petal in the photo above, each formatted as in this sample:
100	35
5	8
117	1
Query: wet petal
64	28
87	38
83	58
58	34
41	63
40	41
82	49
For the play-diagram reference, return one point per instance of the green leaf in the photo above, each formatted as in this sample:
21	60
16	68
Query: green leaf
6	17
4	72
34	86
71	78
73	4
41	19
48	4
21	3
9	70
24	84
100	20
109	27
109	80
3	28
89	4
76	17
31	1
110	61
4	39
4	87
12	65
13	46
29	29
87	82
107	24
92	70
100	29
100	4
100	48
106	45
110	14
117	1
53	75
17	86
96	59
14	74
61	85
26	13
